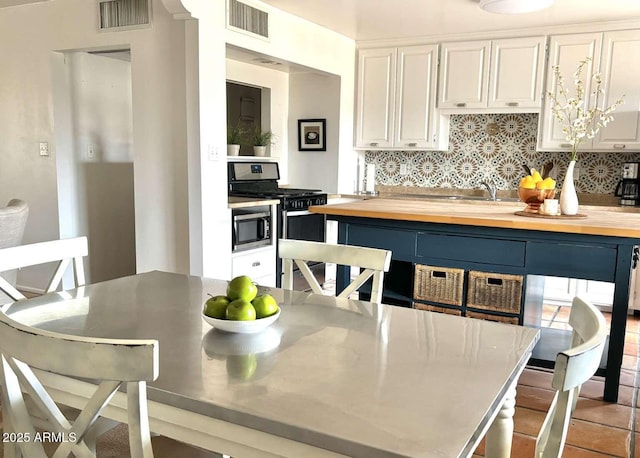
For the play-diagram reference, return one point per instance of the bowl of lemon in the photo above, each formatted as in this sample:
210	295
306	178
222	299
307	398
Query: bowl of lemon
534	189
241	310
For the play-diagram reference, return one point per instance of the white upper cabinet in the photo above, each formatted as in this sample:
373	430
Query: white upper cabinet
415	123
376	97
396	99
620	70
567	51
497	76
516	73
464	74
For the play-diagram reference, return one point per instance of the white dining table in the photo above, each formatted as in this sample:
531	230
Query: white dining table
331	377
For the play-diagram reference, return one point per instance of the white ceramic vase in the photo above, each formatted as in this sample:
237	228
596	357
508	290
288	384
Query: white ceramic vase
259	150
233	150
568	195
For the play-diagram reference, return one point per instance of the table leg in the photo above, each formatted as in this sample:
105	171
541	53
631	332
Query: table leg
500	433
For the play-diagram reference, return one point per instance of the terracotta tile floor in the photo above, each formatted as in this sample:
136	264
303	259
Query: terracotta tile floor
598	428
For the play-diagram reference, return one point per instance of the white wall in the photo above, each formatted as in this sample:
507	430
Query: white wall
29	35
313	96
296	40
178	74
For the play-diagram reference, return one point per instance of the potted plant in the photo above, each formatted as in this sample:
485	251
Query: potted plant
234	137
261	139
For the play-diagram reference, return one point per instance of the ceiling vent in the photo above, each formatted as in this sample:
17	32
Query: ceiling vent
118	14
241	16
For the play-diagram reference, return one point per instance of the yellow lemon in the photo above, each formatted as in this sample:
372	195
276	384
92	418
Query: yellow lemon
527	182
549	183
536	175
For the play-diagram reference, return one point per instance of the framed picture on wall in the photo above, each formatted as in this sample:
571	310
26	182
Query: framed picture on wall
312	135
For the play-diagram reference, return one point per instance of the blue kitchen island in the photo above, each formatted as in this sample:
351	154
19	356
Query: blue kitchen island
483	260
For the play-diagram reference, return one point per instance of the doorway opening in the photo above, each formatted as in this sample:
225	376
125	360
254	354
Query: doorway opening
94	157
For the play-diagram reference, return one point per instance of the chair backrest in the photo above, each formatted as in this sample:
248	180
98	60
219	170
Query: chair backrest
63	251
573	367
111	362
373	262
13	219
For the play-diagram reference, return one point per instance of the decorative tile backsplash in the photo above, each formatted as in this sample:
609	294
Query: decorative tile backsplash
493	147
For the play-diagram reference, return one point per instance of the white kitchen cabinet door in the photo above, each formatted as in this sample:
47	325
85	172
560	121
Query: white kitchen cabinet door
416	121
566	51
620	70
259	264
464	74
516	72
376	97
634	289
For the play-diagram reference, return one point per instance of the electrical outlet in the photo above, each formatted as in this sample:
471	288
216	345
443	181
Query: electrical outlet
44	149
403	169
91	151
576	173
214	153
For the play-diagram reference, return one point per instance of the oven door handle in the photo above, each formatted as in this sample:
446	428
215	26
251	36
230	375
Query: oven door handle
298	213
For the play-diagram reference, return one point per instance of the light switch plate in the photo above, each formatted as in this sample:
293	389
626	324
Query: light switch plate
44	149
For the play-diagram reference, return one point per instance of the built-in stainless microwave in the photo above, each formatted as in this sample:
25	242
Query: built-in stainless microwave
251	227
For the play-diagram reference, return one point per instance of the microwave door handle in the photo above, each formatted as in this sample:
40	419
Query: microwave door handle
264	228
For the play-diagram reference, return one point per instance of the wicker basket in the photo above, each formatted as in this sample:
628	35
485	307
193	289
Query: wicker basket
438	284
435	308
489	317
493	291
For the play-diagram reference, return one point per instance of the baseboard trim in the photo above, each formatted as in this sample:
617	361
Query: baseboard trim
30	289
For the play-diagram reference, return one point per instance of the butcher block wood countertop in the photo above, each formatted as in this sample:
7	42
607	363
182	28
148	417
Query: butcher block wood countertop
607	221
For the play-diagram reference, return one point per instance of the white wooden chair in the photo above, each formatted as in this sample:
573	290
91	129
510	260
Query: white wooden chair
61	251
573	367
110	361
373	262
13	220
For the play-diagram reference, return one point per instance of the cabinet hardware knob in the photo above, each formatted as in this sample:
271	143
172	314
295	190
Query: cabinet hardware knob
373	144
513	104
255	264
565	145
461	105
619	146
412	144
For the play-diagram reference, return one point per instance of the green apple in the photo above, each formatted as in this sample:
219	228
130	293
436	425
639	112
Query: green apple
242	287
265	305
240	310
216	307
242	366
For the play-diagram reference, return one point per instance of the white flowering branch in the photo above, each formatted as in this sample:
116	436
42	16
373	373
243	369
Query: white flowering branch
579	121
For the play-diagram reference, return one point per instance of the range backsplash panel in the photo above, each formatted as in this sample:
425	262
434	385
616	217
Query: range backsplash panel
493	147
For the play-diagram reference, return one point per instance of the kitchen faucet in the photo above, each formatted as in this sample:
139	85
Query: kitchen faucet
491	187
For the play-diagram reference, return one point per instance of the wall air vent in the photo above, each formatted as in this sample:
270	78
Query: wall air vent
247	18
118	14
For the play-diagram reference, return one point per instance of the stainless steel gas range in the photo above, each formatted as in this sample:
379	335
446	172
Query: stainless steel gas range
294	221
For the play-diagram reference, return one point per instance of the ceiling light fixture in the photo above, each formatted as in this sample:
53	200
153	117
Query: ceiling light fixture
514	6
